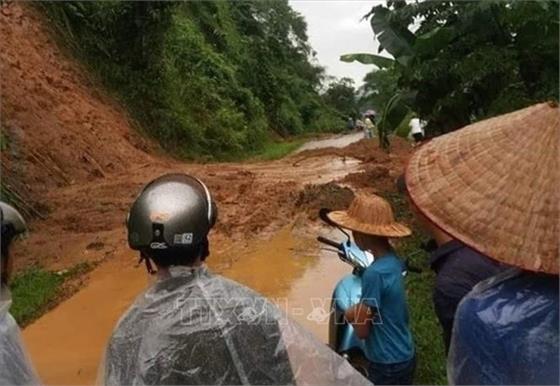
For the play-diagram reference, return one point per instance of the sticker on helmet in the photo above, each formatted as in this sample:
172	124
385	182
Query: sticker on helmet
183	238
158	245
159	217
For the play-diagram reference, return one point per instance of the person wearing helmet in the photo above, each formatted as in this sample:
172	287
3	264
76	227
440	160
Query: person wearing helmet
194	327
15	366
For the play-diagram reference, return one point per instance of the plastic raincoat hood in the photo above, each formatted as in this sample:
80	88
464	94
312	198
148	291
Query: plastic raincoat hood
194	327
15	366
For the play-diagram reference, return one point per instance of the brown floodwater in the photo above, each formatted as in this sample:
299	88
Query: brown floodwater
295	273
67	343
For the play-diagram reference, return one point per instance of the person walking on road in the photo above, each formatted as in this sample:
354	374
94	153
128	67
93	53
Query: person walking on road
369	127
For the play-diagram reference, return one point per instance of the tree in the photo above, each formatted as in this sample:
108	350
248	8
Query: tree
341	95
205	78
379	86
467	61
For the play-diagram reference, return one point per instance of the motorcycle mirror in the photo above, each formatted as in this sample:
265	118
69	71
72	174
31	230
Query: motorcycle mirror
323	212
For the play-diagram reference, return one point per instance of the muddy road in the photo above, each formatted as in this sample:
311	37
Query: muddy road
264	239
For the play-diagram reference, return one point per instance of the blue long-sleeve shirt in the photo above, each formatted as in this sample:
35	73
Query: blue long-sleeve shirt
458	269
506	332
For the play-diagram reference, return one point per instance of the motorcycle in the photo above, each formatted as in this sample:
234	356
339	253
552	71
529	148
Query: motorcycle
348	292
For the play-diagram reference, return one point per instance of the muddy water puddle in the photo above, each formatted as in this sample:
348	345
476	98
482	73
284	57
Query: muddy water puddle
339	141
296	274
314	170
67	344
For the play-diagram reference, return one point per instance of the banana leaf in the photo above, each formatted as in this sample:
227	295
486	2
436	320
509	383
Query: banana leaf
376	60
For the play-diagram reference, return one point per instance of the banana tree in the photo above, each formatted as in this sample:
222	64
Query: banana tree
405	47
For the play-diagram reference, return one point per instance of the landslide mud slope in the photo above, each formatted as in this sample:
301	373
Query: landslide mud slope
74	163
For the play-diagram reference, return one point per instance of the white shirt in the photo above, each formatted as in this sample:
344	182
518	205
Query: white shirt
416	126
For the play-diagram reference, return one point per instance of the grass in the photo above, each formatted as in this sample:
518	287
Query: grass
36	290
277	150
427	333
274	150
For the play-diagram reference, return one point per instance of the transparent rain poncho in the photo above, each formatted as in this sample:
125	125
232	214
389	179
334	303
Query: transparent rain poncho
194	327
506	332
15	366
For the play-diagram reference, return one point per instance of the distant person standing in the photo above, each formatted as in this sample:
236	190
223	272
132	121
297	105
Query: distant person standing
369	127
416	129
360	124
350	124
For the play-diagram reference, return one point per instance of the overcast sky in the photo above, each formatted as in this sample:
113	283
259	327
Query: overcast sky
334	28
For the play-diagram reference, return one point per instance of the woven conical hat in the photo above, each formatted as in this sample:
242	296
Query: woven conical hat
495	186
372	215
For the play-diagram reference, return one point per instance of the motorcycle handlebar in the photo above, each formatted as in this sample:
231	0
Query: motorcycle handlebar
339	247
331	243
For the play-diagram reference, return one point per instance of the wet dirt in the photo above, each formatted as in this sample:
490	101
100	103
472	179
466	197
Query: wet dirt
74	165
336	141
330	195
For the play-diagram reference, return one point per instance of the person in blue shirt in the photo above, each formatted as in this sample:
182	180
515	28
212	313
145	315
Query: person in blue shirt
494	185
381	317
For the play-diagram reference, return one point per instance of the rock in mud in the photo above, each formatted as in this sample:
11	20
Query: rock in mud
330	195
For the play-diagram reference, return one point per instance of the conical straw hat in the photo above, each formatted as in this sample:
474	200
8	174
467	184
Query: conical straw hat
371	215
494	185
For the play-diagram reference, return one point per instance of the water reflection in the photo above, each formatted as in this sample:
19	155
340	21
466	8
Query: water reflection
291	270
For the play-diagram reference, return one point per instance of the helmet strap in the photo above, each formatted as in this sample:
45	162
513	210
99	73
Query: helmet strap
148	263
205	249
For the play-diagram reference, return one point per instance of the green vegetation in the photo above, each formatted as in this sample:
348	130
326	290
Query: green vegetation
35	290
341	95
208	79
277	150
431	368
465	60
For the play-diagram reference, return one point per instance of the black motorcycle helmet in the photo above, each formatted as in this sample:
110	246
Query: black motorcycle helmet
12	224
170	219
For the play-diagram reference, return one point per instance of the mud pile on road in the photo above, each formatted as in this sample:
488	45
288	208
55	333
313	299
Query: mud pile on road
374	178
316	196
366	150
380	168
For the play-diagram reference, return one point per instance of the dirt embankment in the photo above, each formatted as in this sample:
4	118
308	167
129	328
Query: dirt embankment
60	130
74	164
